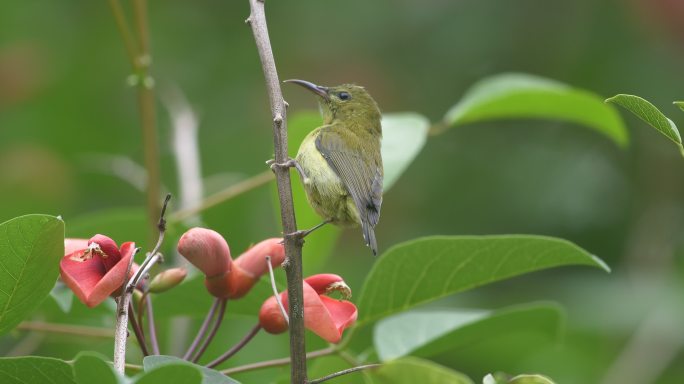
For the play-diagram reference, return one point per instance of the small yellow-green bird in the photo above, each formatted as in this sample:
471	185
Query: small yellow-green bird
340	163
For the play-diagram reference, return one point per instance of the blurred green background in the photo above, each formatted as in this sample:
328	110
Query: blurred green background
69	130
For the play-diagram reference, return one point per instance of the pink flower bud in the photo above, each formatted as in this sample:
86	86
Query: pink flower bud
251	265
207	250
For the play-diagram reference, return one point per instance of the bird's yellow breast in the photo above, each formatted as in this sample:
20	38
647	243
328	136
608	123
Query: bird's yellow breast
324	189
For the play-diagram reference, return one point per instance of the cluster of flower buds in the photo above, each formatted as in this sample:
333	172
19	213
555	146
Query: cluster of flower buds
95	269
209	252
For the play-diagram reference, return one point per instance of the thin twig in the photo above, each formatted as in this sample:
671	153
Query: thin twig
275	290
212	333
224	195
293	244
235	348
275	362
137	330
125	31
343	372
203	330
151	329
75	330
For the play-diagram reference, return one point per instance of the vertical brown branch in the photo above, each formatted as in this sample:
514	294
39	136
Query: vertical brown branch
148	115
293	245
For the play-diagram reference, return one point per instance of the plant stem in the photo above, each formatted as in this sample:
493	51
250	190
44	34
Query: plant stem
293	244
221	196
275	362
214	329
140	59
123	302
75	330
151	329
125	31
343	372
138	332
148	119
236	348
275	290
203	330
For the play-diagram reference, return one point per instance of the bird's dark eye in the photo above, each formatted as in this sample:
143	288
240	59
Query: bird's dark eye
344	96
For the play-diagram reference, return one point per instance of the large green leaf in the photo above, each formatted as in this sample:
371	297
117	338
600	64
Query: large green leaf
428	333
91	367
209	376
33	369
30	249
516	96
403	137
649	114
414	370
426	269
170	374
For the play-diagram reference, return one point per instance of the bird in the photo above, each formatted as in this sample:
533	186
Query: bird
340	163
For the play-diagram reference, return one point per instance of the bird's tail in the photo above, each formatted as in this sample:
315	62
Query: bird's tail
369	236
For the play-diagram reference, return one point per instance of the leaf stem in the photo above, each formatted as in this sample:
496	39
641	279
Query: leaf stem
214	329
275	290
151	328
293	244
275	362
66	329
137	330
236	348
343	372
203	330
224	195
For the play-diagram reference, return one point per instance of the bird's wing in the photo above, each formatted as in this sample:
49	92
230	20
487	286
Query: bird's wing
363	179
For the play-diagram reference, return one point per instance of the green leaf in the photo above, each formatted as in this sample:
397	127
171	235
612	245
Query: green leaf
30	250
209	376
91	367
426	269
522	96
680	104
403	137
428	333
414	370
531	379
170	374
650	115
33	369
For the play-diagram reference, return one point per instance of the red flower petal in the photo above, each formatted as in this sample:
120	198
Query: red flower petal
109	248
73	245
251	265
324	316
207	250
89	280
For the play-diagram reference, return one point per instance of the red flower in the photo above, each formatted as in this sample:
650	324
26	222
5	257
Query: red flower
324	316
209	252
96	271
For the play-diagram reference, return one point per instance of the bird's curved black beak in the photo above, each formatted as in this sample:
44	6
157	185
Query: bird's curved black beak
317	89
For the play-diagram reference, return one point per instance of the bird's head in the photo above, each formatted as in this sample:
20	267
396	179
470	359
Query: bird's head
346	102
